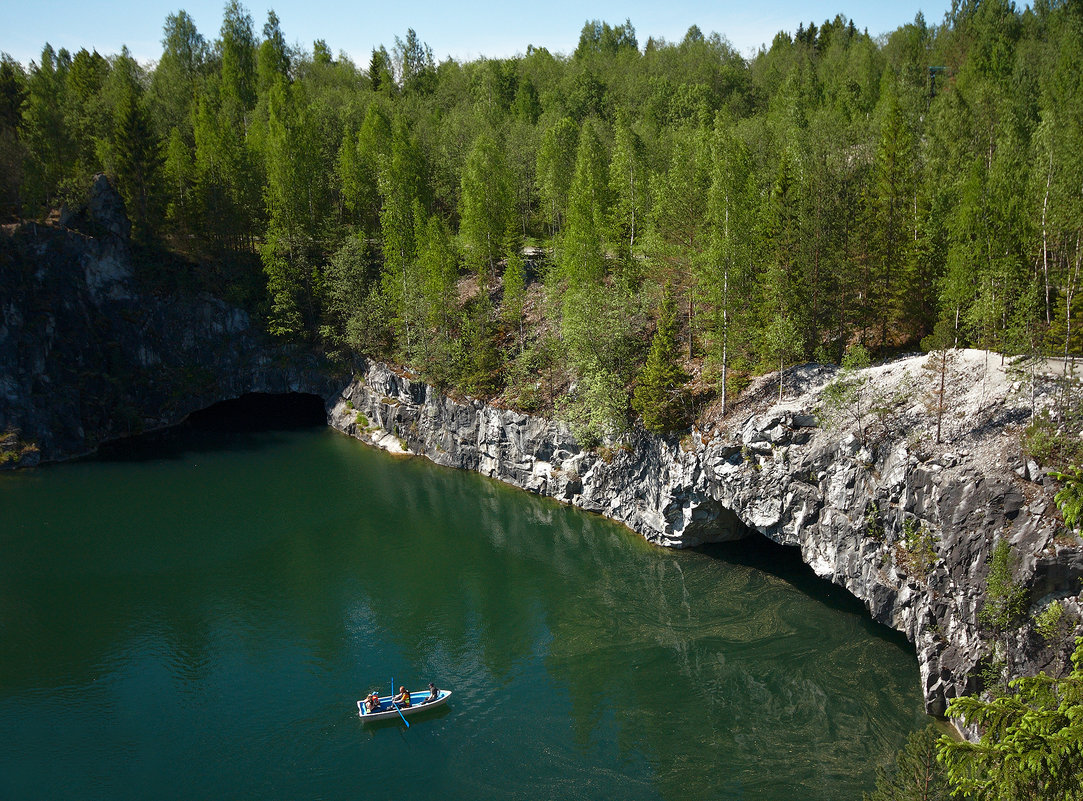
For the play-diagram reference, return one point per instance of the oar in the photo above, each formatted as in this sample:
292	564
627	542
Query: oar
404	720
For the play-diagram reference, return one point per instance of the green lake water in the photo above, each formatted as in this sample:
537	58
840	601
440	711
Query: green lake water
198	618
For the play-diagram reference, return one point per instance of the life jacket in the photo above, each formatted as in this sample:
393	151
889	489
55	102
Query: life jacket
405	699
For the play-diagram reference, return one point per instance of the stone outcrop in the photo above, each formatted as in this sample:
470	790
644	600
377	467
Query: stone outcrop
88	355
857	512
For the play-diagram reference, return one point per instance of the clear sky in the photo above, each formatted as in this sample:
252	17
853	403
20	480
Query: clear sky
461	30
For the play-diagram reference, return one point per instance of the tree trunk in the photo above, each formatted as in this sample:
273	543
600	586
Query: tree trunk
725	334
940	398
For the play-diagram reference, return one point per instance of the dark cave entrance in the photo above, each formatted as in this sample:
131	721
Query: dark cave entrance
221	424
261	411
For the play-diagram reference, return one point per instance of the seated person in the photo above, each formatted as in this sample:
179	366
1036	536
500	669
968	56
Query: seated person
372	703
403	698
433	693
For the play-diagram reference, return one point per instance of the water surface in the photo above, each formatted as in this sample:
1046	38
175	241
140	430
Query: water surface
197	618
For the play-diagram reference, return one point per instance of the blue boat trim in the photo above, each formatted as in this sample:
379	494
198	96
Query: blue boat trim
417	704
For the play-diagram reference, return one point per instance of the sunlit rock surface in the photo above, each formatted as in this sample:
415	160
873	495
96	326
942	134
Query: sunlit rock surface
772	470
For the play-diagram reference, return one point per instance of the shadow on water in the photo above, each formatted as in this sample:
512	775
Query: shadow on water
245	422
784	563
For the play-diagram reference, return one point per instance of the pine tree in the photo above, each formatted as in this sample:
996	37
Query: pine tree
175	80
45	132
892	191
581	257
12	150
680	222
659	395
400	185
915	775
137	160
297	207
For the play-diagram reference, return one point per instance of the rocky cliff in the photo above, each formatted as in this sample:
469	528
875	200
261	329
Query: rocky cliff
873	503
905	525
88	354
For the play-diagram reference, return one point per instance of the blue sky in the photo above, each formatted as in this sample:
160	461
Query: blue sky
460	30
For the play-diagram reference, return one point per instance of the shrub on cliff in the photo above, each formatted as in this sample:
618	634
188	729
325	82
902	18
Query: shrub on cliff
1070	497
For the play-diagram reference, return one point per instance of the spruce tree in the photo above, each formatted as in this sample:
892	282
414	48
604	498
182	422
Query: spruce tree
915	775
659	395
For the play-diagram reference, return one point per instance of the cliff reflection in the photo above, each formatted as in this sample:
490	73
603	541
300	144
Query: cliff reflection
312	570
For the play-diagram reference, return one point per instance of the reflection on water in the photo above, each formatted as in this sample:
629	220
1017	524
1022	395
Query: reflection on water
212	617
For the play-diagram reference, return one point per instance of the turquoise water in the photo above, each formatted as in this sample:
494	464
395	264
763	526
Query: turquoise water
198	620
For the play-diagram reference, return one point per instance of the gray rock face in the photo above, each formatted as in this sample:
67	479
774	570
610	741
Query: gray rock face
86	356
847	509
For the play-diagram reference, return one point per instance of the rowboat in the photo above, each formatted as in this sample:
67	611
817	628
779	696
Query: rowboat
418	703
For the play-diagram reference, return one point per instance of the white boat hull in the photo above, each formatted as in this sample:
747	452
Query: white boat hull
418	703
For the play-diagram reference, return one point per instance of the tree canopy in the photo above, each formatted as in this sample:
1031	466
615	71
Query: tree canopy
831	191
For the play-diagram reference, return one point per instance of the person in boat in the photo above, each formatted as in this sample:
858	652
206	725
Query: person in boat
433	694
403	698
372	703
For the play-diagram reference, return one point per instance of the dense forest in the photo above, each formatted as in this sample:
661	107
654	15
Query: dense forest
625	234
629	231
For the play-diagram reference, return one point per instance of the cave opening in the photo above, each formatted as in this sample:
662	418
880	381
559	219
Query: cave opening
261	411
252	413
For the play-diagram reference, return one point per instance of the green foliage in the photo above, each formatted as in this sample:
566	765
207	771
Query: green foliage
485	207
137	162
1070	496
659	397
597	346
513	281
782	342
480	373
1005	599
1047	622
555	168
581	258
915	774
919	548
821	192
1031	744
937	368
874	525
349	277
844	397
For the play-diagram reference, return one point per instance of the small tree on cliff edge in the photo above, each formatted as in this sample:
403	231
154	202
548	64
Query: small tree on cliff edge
940	347
660	397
